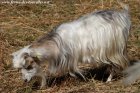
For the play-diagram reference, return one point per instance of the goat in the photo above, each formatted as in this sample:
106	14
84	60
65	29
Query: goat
99	37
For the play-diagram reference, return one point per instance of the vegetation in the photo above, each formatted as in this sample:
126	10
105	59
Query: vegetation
21	24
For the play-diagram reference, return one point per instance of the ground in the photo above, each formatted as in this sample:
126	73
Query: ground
21	24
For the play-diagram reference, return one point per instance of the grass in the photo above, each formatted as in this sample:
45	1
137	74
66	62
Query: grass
22	24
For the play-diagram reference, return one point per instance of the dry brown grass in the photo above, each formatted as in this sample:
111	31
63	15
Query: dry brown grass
22	24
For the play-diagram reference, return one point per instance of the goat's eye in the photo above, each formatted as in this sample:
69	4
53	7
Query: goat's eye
29	67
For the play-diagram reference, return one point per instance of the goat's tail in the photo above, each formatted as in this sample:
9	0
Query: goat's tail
132	73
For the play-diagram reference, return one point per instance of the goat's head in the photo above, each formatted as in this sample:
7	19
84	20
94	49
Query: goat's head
23	60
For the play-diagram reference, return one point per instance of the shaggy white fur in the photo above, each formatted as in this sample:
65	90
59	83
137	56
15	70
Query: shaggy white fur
100	37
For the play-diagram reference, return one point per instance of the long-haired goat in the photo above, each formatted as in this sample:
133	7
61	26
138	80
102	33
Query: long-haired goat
99	37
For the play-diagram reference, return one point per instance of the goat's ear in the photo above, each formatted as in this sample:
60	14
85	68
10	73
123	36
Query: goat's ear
28	65
28	62
26	55
36	60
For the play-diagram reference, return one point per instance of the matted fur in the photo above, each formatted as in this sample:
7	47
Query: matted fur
99	37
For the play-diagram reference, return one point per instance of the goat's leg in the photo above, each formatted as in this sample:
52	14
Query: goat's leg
77	73
43	82
43	77
110	77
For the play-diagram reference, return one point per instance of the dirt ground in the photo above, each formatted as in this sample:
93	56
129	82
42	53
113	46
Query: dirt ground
21	24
